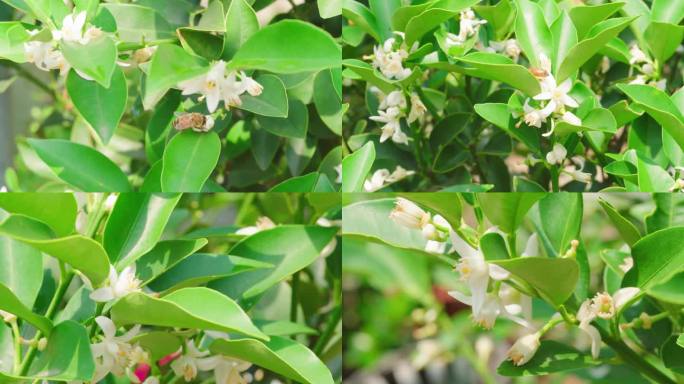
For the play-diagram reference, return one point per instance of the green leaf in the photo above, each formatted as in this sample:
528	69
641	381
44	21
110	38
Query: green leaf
551	357
275	246
164	256
669	291
82	253
170	65
663	39
356	166
672	352
667	11
586	16
58	210
553	278
200	308
201	268
532	32
136	224
494	247
241	24
189	160
329	8
500	16
22	270
271	102
101	107
81	166
327	101
383	11
67	357
97	59
370	220
448	205
497	67
13	35
280	355
669	211
499	115
159	343
652	177
561	219
361	16
12	304
657	257
288	46
564	37
432	17
201	43
294	125
135	23
370	75
627	230
659	106
304	183
507	210
597	38
284	328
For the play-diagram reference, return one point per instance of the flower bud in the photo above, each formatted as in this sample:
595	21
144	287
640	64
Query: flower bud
8	317
42	343
524	349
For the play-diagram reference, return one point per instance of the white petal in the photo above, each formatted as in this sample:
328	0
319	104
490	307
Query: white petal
595	337
498	273
467	300
543	96
102	295
107	326
565	86
478	288
130	334
461	246
532	247
623	295
569	101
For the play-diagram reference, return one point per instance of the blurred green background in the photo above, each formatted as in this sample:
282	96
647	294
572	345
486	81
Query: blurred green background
401	326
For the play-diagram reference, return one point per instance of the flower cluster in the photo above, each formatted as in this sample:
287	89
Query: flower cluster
47	56
408	214
115	354
393	107
218	84
557	156
469	25
382	178
647	68
389	57
117	285
552	101
226	370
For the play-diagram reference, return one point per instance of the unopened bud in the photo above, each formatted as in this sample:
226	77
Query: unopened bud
42	343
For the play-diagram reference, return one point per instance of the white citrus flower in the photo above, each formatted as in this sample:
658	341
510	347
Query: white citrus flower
637	56
112	353
570	118
251	86
393	99
399	174
418	109
544	63
45	56
208	85
585	315
261	224
535	117
557	155
231	89
228	370
117	286
192	361
524	349
409	214
556	94
376	181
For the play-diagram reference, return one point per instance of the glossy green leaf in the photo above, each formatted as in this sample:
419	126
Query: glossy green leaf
587	16
294	125
12	304
275	246
663	39
159	343
241	24
432	17
505	210
97	59
200	308
356	166
652	177
136	224
136	23
58	210
667	11
448	205
564	36
493	246
81	166
551	357
670	290
553	278
327	101
80	252
361	16
202	43
561	219
673	355
657	257
329	8
627	230
497	67
189	160
370	219
383	11
659	106
499	115
22	270
201	268
288	46
271	102
280	355
67	357
170	65
13	35
597	37
101	107
532	32
165	255
304	183
668	212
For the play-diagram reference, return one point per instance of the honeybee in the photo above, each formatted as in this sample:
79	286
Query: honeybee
195	121
539	73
